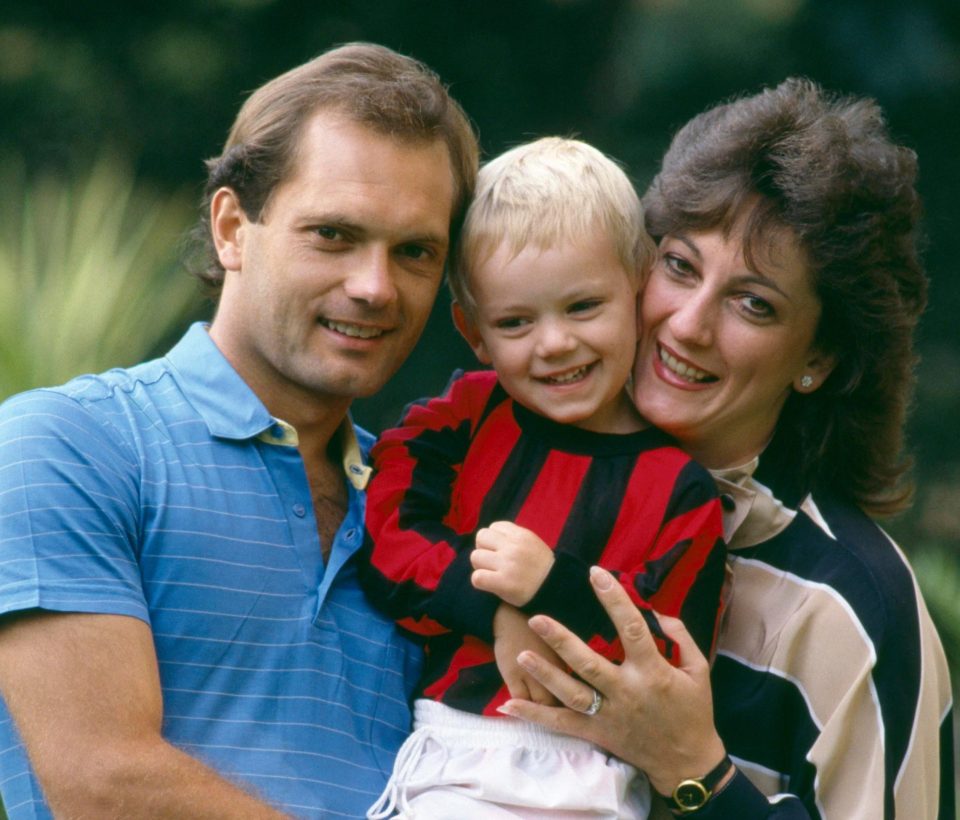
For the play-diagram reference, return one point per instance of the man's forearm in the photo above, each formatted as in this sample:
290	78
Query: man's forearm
155	780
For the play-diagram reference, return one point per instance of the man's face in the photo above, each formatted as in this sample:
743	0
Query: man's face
325	297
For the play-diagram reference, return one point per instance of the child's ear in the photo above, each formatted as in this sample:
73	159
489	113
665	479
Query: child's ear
470	333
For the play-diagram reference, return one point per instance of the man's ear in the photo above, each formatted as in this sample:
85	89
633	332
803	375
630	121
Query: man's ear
815	372
227	222
468	330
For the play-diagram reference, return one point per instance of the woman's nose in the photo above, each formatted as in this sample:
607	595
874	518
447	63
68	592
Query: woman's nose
692	321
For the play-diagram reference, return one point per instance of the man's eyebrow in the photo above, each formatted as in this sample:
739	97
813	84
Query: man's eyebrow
430	239
335	220
344	222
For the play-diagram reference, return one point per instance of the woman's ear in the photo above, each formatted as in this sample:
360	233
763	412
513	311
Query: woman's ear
468	330
815	372
227	221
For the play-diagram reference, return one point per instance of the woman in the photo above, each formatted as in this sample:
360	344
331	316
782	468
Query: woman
777	348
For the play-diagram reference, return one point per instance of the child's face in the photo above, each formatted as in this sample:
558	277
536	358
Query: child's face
559	326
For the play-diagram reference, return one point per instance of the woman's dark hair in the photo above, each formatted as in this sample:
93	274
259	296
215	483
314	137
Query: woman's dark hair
824	167
369	84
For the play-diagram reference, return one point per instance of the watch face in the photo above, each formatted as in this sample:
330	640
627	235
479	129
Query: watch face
690	795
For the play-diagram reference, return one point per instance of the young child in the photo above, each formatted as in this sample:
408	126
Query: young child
491	503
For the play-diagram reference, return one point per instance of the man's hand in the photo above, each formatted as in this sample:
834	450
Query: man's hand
510	561
511	636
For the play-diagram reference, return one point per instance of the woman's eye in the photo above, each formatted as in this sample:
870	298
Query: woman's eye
677	265
756	307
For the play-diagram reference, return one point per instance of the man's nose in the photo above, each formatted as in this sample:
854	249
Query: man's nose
371	279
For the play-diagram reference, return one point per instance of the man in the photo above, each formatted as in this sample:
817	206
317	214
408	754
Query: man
182	632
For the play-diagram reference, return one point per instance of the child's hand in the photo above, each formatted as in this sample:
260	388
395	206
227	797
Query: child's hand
511	636
510	561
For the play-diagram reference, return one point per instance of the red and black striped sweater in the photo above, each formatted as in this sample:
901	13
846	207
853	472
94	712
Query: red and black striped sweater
634	504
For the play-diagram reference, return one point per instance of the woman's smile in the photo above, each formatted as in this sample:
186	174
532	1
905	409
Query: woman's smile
684	370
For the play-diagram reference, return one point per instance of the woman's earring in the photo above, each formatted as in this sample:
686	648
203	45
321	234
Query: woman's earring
806	382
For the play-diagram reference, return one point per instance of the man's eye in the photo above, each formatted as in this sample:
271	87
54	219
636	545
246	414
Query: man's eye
415	251
329	233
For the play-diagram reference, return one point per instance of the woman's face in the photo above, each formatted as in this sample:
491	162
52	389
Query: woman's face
721	346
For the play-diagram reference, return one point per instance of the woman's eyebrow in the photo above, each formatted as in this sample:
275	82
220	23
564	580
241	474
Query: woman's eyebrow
686	240
755	278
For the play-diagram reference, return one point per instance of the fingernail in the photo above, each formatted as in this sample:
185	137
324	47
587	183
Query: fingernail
601	579
539	624
506	709
525	659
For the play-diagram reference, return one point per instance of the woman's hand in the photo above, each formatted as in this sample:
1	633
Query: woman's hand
512	636
656	716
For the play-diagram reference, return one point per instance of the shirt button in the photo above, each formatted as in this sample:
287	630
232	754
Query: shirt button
299	510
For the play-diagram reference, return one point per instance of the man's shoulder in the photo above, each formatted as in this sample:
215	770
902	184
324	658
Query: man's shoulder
82	401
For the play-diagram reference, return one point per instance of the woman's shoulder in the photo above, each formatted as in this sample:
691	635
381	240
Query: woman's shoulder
836	558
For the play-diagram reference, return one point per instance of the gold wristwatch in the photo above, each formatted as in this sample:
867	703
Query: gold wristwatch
692	795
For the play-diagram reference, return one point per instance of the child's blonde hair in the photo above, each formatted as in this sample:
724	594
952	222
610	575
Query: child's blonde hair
544	193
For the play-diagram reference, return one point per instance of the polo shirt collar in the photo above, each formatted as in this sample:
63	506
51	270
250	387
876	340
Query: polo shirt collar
231	410
214	389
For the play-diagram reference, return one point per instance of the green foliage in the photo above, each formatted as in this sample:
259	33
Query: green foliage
89	275
938	574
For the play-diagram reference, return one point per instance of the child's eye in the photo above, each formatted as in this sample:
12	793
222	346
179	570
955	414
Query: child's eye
584	305
510	323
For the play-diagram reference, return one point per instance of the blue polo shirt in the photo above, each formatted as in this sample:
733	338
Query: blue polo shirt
167	492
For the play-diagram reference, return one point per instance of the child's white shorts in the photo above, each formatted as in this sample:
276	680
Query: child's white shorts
460	766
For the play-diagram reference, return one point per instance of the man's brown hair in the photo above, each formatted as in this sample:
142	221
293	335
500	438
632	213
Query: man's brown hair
392	94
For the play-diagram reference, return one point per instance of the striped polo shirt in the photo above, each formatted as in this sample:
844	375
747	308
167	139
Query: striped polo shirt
167	492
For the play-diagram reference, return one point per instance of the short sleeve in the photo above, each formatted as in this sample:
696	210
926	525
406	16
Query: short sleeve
69	509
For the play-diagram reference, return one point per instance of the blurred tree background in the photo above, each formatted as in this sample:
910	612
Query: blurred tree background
142	92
